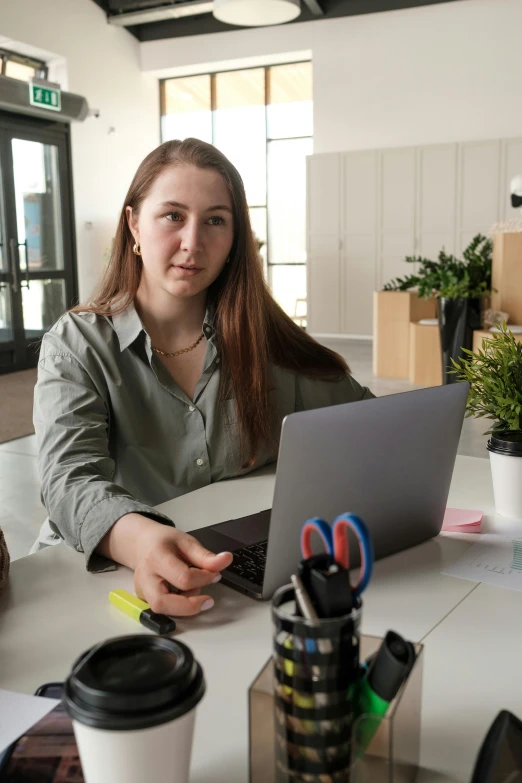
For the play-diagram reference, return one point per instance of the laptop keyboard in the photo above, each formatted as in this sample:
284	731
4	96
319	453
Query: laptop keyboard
249	562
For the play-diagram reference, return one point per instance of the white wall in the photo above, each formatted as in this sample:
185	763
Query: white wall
441	73
102	64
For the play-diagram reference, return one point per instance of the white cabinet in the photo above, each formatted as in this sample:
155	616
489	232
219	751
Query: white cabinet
437	200
323	280
359	240
479	189
323	210
323	190
397	213
367	210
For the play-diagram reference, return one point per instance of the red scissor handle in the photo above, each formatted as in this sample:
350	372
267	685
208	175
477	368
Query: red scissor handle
324	531
341	547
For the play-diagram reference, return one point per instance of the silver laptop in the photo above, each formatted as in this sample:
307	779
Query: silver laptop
390	460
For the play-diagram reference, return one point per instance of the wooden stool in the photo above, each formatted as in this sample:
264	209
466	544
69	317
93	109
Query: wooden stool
425	355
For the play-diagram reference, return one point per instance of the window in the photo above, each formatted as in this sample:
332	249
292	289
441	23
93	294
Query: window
17	66
261	118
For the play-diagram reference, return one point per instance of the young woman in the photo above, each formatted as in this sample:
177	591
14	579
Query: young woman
177	374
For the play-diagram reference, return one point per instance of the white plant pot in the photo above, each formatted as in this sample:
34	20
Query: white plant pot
506	471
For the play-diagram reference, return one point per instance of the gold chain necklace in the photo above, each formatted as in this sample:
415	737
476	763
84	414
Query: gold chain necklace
183	350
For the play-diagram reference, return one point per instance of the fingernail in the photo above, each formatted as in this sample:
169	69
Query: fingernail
224	553
208	604
216	579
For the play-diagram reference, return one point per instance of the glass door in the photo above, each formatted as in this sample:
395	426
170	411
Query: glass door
37	268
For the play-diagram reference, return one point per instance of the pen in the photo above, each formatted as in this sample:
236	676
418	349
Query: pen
141	611
303	600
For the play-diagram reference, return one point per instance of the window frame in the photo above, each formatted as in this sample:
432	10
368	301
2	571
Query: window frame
41	69
213	108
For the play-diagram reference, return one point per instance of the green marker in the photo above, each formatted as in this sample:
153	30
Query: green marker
387	672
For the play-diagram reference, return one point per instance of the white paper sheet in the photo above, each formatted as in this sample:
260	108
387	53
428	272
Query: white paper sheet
494	559
18	712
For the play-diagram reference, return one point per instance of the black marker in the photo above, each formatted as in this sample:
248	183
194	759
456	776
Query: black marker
388	669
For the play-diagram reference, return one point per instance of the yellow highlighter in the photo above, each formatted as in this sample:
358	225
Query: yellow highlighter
141	612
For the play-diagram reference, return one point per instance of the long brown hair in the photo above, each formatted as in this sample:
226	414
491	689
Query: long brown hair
252	329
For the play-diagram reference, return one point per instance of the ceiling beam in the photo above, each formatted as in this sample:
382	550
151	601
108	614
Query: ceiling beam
160	13
314	7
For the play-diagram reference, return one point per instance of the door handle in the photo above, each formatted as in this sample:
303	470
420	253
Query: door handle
14	266
24	244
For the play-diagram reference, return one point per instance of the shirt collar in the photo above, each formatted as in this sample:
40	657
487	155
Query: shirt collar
128	325
208	323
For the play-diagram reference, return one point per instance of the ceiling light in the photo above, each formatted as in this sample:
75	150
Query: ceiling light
161	13
256	13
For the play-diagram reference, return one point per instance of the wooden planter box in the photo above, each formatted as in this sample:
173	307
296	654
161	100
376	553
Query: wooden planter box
425	355
479	335
507	275
393	312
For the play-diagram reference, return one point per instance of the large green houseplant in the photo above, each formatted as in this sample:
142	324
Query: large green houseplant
494	373
459	286
451	277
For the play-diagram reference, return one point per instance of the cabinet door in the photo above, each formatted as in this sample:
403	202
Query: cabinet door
323	194
512	165
398	213
323	243
359	244
479	190
324	291
437	167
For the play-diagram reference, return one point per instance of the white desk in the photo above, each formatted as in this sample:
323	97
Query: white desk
53	610
472	671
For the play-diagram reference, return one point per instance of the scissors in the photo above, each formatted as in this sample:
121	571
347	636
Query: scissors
335	540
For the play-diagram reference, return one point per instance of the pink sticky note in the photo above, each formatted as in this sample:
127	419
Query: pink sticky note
461	520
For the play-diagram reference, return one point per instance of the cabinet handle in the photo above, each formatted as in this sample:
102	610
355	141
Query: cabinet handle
14	266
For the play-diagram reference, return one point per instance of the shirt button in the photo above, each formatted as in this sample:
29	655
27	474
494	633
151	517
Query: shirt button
218	360
191	408
199	462
208	329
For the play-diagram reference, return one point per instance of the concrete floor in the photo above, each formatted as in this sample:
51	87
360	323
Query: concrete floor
21	512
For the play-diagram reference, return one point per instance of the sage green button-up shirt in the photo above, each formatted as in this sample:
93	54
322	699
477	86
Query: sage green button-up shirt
116	434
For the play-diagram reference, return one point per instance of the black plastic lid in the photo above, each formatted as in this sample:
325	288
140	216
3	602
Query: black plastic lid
506	442
133	682
391	666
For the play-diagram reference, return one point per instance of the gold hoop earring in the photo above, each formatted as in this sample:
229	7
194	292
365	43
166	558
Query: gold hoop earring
136	249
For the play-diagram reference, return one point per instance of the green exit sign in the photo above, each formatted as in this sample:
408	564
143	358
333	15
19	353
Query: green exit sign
45	97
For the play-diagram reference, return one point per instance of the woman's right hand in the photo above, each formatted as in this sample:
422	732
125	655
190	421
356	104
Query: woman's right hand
164	558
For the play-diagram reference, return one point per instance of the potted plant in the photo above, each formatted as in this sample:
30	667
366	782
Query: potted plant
459	286
495	377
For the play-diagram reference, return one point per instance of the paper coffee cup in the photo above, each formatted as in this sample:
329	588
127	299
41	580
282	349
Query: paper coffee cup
132	701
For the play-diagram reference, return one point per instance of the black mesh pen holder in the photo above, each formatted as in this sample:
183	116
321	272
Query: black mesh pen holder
315	667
